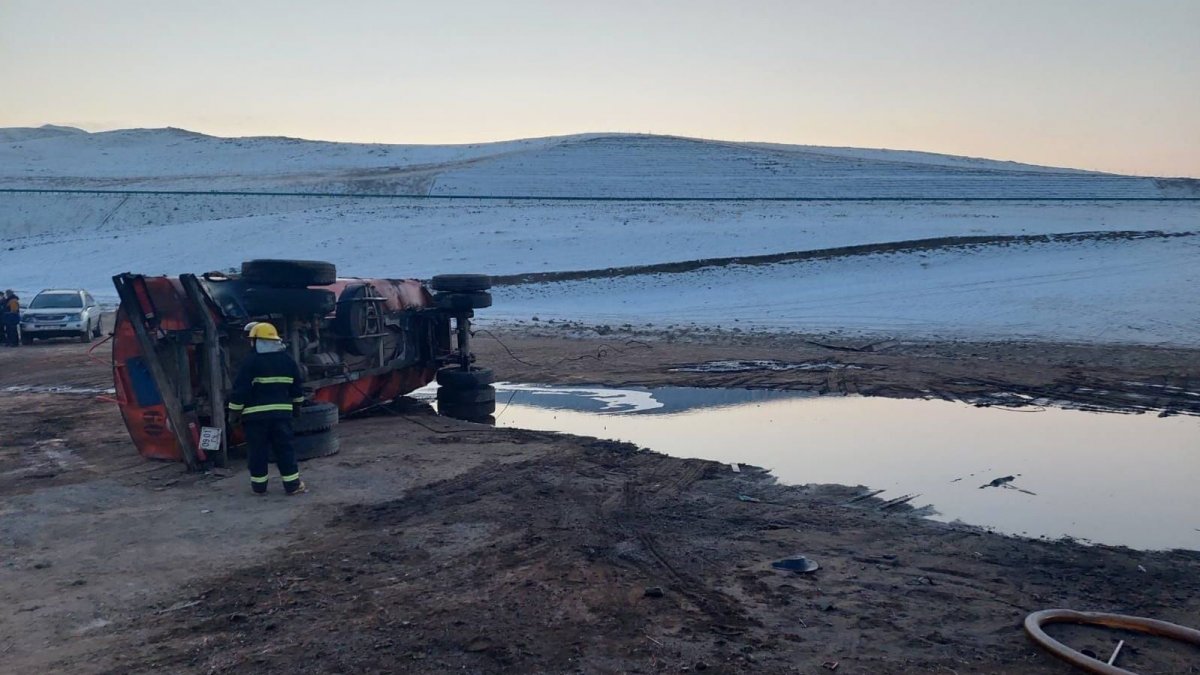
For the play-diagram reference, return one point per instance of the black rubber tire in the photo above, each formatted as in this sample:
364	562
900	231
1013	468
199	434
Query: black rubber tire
96	330
289	273
460	301
349	317
469	412
26	340
263	300
461	283
311	446
86	337
315	418
457	397
457	378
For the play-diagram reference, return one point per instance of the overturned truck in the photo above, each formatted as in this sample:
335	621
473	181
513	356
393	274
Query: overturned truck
359	343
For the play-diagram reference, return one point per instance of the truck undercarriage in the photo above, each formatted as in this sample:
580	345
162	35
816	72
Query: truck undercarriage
359	343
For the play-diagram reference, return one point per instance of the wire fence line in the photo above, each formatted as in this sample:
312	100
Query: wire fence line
560	198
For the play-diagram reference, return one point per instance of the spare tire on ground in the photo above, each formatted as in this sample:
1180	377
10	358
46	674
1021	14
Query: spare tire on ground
461	283
311	446
467	411
457	378
289	273
457	397
315	418
461	301
263	300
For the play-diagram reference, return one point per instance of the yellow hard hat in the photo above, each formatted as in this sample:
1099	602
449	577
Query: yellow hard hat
264	331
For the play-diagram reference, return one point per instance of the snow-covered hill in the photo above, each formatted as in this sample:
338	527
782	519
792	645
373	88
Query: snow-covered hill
82	239
587	165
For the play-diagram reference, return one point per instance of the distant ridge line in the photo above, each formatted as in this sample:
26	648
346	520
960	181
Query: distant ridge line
909	246
361	195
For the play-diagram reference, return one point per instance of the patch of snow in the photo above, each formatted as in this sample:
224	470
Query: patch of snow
1129	292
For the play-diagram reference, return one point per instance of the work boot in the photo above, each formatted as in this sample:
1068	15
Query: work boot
300	487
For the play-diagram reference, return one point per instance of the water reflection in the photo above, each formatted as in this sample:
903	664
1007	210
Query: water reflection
1115	479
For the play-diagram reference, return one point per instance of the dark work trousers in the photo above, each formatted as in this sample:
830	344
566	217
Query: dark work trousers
11	326
263	437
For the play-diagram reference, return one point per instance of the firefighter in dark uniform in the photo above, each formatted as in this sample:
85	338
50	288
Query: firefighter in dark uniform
266	395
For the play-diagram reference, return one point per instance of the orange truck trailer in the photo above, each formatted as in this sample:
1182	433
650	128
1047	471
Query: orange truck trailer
360	343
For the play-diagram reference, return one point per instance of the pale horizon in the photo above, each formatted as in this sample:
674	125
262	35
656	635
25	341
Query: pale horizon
1105	86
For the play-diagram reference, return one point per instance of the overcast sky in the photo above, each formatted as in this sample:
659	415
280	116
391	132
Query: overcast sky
1098	84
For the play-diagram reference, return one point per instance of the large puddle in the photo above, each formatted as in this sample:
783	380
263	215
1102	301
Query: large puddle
1105	478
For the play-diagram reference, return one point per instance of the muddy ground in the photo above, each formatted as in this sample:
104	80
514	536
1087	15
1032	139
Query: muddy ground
430	545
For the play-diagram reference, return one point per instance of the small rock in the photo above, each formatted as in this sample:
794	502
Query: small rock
700	665
237	618
654	592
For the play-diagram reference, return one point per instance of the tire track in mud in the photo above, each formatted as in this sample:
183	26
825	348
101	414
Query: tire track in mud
909	246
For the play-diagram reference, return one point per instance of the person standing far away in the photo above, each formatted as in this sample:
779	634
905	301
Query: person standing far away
3	318
11	318
266	396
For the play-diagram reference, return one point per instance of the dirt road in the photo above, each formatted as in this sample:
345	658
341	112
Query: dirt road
430	544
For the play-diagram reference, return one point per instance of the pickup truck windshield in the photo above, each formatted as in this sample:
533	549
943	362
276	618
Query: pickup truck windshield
56	301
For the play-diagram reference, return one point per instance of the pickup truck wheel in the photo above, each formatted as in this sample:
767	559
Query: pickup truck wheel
263	300
86	336
96	330
461	301
461	283
289	273
26	340
315	419
457	378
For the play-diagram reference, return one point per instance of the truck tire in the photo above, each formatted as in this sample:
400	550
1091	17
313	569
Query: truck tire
351	320
457	397
457	378
313	445
263	300
289	273
469	412
315	419
461	301
461	283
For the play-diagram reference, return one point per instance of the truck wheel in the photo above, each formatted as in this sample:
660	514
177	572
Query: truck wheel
289	273
469	412
457	378
460	301
96	330
313	445
263	300
461	283
356	318
26	340
315	418
86	336
457	397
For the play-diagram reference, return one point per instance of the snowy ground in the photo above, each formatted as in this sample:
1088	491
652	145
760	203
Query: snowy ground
1113	291
1102	291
